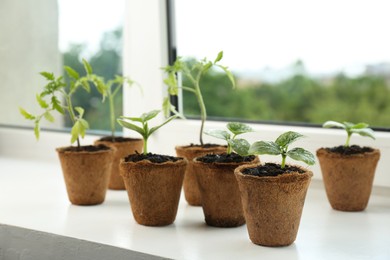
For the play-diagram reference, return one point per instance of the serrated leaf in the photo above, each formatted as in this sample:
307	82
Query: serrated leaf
229	74
49	117
80	110
240	146
149	115
219	57
131	127
238	128
87	67
72	73
166	106
75	132
329	124
85	85
42	103
368	132
300	154
26	114
265	147
56	105
220	134
47	75
207	66
285	139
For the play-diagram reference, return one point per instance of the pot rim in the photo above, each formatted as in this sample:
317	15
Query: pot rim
256	160
181	161
324	152
62	150
286	177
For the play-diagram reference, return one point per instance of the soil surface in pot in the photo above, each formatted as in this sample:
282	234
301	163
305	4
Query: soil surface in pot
86	148
225	158
154	158
202	146
353	149
118	139
271	169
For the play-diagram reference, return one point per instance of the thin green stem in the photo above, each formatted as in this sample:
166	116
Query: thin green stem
348	139
145	146
283	164
71	114
112	116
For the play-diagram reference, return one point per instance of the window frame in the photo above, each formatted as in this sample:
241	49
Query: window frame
145	52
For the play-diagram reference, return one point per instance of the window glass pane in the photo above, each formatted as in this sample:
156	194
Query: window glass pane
44	35
294	61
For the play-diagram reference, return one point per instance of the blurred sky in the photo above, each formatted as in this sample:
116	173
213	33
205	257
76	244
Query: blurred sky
328	35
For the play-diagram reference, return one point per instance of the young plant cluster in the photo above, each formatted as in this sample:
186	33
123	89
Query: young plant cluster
279	147
194	74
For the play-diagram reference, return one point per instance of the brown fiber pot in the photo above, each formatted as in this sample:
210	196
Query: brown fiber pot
154	190
122	149
348	179
86	174
221	201
190	184
273	205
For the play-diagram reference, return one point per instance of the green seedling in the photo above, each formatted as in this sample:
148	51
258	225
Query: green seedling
351	128
279	147
57	97
234	129
194	74
144	130
112	89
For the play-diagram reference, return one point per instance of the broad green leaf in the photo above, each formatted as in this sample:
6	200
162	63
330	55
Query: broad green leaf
239	128
42	103
26	114
329	124
348	125
36	130
154	129
85	85
75	132
49	117
219	57
48	75
221	134
87	67
240	146
285	139
57	105
84	123
72	73
148	116
80	110
263	147
360	126
364	132
131	127
300	154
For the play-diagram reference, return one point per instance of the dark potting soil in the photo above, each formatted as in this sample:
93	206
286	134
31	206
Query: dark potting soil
203	146
118	139
225	158
353	149
154	158
271	169
86	148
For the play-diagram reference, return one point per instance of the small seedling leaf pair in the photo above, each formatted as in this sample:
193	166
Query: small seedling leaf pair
235	129
144	129
351	128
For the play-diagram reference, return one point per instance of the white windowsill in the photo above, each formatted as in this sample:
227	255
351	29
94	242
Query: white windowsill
33	196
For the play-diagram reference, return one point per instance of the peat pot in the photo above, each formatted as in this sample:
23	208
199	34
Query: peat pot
153	189
123	147
273	205
348	179
190	184
86	172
